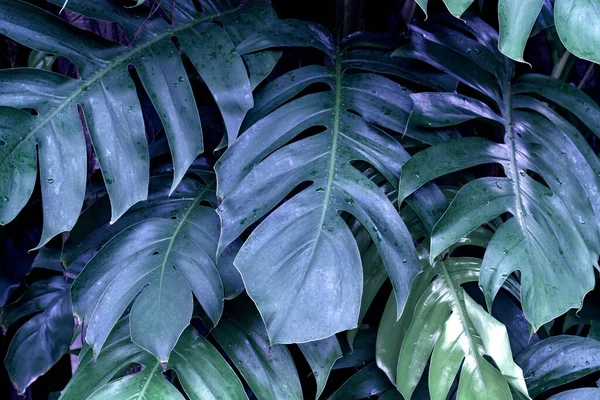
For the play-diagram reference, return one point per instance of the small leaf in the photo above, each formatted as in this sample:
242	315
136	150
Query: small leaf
269	370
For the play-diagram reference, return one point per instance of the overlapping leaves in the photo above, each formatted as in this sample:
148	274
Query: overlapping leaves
551	177
268	370
443	322
201	370
106	98
574	20
559	360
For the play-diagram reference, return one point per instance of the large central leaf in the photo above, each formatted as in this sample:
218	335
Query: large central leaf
106	94
301	265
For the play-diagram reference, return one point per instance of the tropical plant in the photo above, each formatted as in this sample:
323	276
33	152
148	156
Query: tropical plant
574	21
106	94
551	173
237	205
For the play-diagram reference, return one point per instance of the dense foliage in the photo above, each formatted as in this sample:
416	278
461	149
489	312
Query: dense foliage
240	205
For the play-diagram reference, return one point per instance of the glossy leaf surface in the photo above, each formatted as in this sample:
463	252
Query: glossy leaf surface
301	264
41	341
369	381
107	97
555	224
443	322
575	24
158	260
201	370
520	19
269	370
558	360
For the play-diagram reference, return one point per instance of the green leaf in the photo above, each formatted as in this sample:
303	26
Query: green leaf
545	20
269	370
41	60
119	355
45	338
148	383
374	275
447	325
201	371
301	265
170	251
321	355
516	19
554	227
575	22
48	259
594	332
107	96
568	97
558	360
458	7
362	351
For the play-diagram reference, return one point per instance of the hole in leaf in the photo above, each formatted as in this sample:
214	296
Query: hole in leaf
174	217
155	253
2	143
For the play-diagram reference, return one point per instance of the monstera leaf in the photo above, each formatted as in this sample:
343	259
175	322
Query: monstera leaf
301	265
443	322
45	338
164	252
107	98
574	20
200	369
551	175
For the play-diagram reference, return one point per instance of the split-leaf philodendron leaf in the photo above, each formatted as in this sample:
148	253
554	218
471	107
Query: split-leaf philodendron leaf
443	322
163	253
401	214
301	264
105	99
551	176
45	338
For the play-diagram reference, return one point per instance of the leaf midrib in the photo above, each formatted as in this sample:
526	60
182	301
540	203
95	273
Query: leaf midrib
142	392
513	158
114	64
331	171
334	144
178	227
461	311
